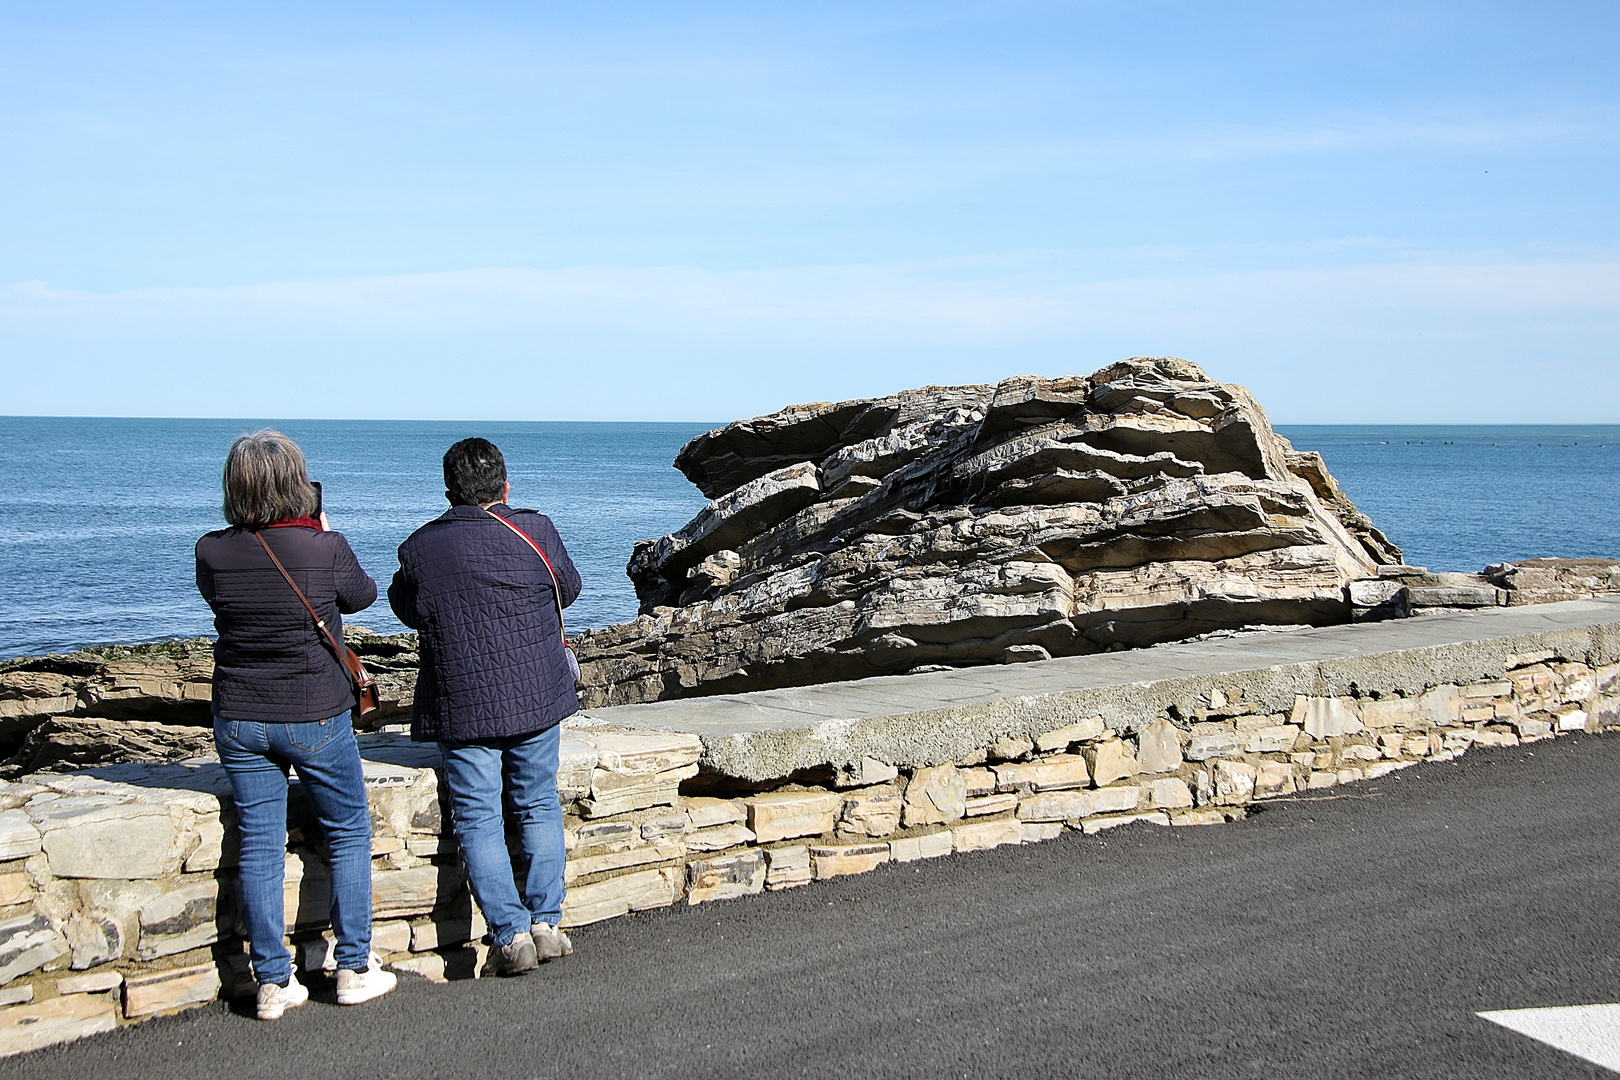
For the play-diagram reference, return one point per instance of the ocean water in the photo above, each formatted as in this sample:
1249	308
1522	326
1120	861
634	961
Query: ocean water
98	516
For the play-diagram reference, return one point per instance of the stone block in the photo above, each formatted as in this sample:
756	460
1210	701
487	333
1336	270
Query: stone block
703	813
1198	817
1169	793
613	835
787	867
17	887
986	805
59	1020
1441	705
645	753
617	793
1064	737
1059	772
984	835
1034	832
783	815
93	983
1416	745
1202	747
937	794
445	929
27	943
979	782
216	848
1319	780
391	936
928	846
1159	747
865	772
871	813
726	877
1486	736
576	761
1273	778
1055	806
1571	719
839	860
1360	752
1384	768
95	936
18	837
1389	712
1011	747
182	918
1110	761
1272	740
20	995
1324	718
428	847
673	825
1114	799
638	891
165	991
1095	825
413	892
1492	688
132	840
718	838
622	860
1234	783
1348	776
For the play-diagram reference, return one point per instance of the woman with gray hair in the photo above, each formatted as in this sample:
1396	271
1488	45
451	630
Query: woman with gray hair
283	699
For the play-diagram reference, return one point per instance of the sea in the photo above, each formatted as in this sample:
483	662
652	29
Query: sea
98	516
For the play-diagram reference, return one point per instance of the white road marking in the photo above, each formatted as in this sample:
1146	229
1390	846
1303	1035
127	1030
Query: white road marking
1591	1032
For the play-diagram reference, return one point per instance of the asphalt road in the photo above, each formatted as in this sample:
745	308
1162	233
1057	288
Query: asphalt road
1342	936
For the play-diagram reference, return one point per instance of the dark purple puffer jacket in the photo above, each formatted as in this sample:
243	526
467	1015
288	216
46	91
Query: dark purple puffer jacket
271	662
481	601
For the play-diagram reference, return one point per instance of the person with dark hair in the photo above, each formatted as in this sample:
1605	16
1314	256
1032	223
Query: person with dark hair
282	699
484	586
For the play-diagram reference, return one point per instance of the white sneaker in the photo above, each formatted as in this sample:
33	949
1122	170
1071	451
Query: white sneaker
354	987
550	942
275	1000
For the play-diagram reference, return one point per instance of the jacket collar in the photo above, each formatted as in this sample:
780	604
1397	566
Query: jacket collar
468	513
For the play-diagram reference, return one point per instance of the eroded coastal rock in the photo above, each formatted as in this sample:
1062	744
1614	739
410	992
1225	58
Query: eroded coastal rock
982	524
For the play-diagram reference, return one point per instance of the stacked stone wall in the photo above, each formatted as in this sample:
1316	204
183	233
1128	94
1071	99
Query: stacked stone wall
117	885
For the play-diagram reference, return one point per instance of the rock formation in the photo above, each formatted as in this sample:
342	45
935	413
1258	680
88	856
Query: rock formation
982	524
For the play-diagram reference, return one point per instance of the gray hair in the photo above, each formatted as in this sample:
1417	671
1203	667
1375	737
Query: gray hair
266	480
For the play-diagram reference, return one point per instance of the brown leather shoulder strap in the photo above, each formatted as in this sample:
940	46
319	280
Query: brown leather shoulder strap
320	622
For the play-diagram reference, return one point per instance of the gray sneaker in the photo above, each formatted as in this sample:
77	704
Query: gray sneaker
550	942
515	958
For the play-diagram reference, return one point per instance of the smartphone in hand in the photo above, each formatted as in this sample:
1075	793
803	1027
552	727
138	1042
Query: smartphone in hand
316	484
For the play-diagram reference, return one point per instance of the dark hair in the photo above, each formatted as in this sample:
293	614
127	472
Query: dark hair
474	473
266	480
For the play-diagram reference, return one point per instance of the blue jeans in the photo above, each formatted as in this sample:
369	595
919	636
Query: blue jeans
525	768
256	757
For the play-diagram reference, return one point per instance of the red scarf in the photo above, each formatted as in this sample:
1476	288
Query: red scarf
301	522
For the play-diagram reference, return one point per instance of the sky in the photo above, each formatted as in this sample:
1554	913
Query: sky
1365	212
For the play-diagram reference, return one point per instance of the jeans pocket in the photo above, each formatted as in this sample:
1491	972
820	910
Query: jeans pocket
225	732
313	735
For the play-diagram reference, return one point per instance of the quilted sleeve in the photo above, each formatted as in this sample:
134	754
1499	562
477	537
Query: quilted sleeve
567	577
355	589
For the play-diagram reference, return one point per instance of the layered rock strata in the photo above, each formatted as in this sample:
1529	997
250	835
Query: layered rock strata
118	891
982	524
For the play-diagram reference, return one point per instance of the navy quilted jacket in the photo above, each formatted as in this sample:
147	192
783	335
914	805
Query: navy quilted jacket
481	602
271	663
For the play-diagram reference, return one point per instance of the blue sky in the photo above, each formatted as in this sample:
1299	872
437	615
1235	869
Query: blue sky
1365	212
